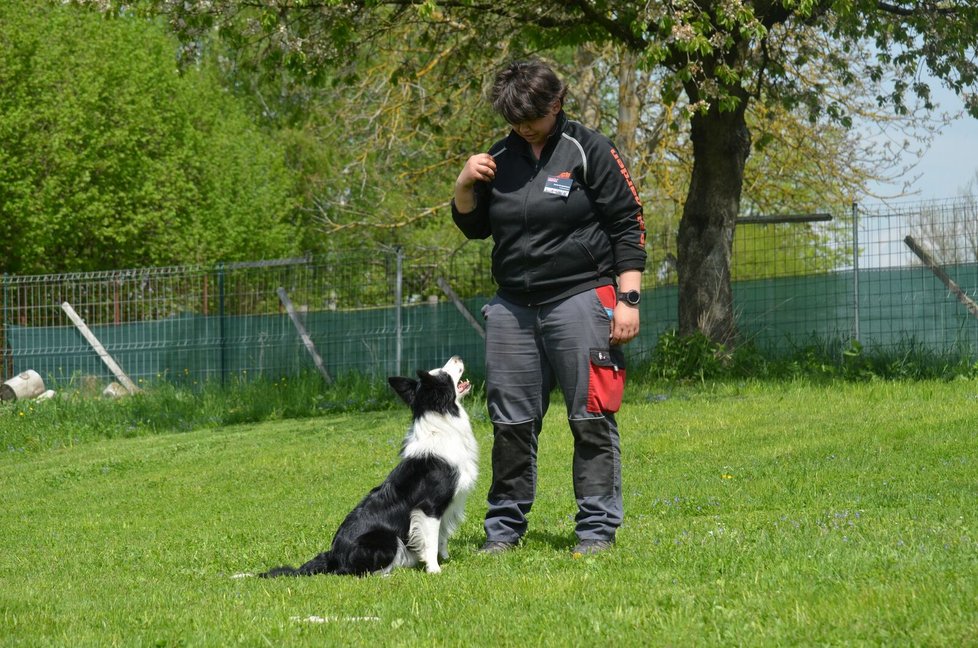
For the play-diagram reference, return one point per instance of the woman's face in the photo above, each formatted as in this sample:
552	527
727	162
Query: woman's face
536	131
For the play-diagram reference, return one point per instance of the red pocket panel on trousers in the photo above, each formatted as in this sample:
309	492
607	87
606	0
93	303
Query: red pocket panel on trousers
606	381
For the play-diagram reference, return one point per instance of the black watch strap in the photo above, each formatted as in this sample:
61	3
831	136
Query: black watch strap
632	297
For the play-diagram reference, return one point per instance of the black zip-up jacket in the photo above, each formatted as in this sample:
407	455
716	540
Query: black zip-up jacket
567	223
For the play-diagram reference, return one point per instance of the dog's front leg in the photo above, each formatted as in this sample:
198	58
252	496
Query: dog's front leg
443	545
445	530
423	540
450	521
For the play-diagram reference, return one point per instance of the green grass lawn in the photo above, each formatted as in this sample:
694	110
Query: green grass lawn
756	514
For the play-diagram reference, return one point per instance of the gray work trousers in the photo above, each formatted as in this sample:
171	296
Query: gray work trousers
529	350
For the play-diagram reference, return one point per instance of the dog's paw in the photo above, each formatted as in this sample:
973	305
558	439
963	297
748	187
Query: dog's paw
433	568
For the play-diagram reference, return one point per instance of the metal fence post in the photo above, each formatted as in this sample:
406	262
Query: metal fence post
3	308
855	270
398	300
3	326
220	319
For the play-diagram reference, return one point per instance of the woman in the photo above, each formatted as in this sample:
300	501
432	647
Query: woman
568	256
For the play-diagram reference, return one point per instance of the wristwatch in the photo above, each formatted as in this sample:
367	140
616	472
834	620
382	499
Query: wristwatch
632	297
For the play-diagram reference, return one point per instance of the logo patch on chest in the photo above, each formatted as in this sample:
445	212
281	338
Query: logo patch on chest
559	185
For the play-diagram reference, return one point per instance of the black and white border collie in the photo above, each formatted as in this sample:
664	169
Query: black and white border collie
410	516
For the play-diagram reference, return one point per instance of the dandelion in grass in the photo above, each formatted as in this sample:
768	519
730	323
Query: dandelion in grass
726	476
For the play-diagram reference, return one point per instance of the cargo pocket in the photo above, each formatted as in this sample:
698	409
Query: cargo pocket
606	382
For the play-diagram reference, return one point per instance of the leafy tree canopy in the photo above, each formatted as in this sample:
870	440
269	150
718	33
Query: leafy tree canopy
710	59
720	51
111	158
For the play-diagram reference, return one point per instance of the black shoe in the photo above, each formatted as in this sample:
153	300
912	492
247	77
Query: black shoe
497	547
591	547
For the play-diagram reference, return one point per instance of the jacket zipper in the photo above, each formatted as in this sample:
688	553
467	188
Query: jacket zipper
526	225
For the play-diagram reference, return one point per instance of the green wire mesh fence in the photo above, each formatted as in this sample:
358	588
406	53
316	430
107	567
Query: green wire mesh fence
889	278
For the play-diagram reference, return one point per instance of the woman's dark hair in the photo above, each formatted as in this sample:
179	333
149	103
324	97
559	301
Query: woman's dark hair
526	90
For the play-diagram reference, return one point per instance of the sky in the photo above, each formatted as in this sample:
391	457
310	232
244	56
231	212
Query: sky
943	173
950	163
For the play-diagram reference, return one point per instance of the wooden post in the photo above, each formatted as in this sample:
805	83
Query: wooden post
940	274
306	340
99	349
447	289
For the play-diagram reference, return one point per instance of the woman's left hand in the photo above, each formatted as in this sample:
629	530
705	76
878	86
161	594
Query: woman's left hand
624	323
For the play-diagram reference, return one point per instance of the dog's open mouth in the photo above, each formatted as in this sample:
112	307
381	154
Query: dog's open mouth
463	387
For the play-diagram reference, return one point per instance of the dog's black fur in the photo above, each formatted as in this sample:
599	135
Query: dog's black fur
409	517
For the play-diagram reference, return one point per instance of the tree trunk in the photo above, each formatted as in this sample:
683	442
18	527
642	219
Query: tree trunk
587	88
629	105
721	144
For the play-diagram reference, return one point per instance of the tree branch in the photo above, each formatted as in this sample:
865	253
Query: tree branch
894	9
614	28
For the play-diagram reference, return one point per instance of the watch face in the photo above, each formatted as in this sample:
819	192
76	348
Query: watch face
632	297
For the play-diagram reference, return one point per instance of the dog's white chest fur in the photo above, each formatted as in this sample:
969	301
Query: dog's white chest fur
449	438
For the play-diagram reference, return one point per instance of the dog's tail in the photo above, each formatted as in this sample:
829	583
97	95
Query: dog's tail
321	564
275	572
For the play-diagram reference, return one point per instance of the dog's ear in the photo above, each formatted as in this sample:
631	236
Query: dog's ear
404	387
